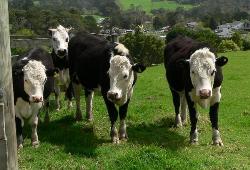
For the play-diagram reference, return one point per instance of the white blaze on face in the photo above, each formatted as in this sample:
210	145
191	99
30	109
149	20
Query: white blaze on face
121	80
202	72
60	40
34	80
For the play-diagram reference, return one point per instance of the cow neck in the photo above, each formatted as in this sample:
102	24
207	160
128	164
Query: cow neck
61	63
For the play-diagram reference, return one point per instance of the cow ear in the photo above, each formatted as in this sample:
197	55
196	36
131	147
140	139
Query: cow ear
69	29
52	72
182	63
221	61
138	67
50	31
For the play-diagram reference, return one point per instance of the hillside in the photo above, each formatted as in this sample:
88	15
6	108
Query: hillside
148	5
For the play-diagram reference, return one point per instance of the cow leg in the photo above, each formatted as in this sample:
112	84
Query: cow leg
113	115
193	119
77	92
57	97
123	113
176	101
89	94
46	118
69	94
34	136
19	133
213	113
183	109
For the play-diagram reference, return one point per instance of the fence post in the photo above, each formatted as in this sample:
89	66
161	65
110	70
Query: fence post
8	148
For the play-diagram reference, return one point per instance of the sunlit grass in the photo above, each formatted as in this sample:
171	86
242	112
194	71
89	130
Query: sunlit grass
153	141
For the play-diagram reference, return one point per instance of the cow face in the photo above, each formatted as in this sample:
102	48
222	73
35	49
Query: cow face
34	77
202	71
60	40
122	76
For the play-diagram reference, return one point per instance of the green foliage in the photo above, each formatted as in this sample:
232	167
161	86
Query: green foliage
153	142
204	35
25	32
228	45
237	39
246	44
144	48
19	51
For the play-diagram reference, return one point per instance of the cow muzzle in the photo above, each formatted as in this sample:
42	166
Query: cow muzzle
113	96
205	93
36	99
62	52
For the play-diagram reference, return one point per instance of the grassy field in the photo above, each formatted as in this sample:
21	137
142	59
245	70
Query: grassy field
153	141
148	5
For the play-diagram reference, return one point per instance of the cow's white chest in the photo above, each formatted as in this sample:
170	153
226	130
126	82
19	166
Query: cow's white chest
63	77
25	109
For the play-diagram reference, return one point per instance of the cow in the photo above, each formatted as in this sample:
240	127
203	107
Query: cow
32	83
96	63
194	75
60	40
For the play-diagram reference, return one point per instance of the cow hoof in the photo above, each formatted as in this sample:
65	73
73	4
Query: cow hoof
193	142
194	137
89	117
58	109
218	142
35	144
20	146
123	136
115	140
178	122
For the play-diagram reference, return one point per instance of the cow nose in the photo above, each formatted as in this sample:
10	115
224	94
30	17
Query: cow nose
62	52
205	93
37	99
112	96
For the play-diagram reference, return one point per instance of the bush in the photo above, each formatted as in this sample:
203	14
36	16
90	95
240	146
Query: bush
25	32
204	35
147	49
246	44
19	51
228	45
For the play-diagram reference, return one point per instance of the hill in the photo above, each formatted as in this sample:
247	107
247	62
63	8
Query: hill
149	5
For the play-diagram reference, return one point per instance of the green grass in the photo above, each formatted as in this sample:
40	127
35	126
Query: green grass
148	5
153	142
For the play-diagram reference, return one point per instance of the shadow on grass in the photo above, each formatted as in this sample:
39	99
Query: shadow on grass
74	137
160	133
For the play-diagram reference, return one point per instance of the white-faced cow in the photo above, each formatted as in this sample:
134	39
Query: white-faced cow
32	83
195	77
60	40
97	63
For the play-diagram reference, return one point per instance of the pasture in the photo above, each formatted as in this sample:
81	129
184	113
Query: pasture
153	141
148	5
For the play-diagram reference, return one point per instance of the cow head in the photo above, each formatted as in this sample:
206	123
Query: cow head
202	71
60	40
122	77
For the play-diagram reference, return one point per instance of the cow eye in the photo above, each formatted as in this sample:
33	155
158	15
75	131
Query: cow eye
67	40
192	72
54	39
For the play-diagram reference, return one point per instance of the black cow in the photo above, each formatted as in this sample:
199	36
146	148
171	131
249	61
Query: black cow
195	76
97	63
32	83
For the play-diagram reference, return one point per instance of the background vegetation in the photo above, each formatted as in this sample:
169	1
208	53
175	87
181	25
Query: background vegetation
153	141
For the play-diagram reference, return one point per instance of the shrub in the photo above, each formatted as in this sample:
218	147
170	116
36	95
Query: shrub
25	32
204	35
228	45
147	49
246	44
